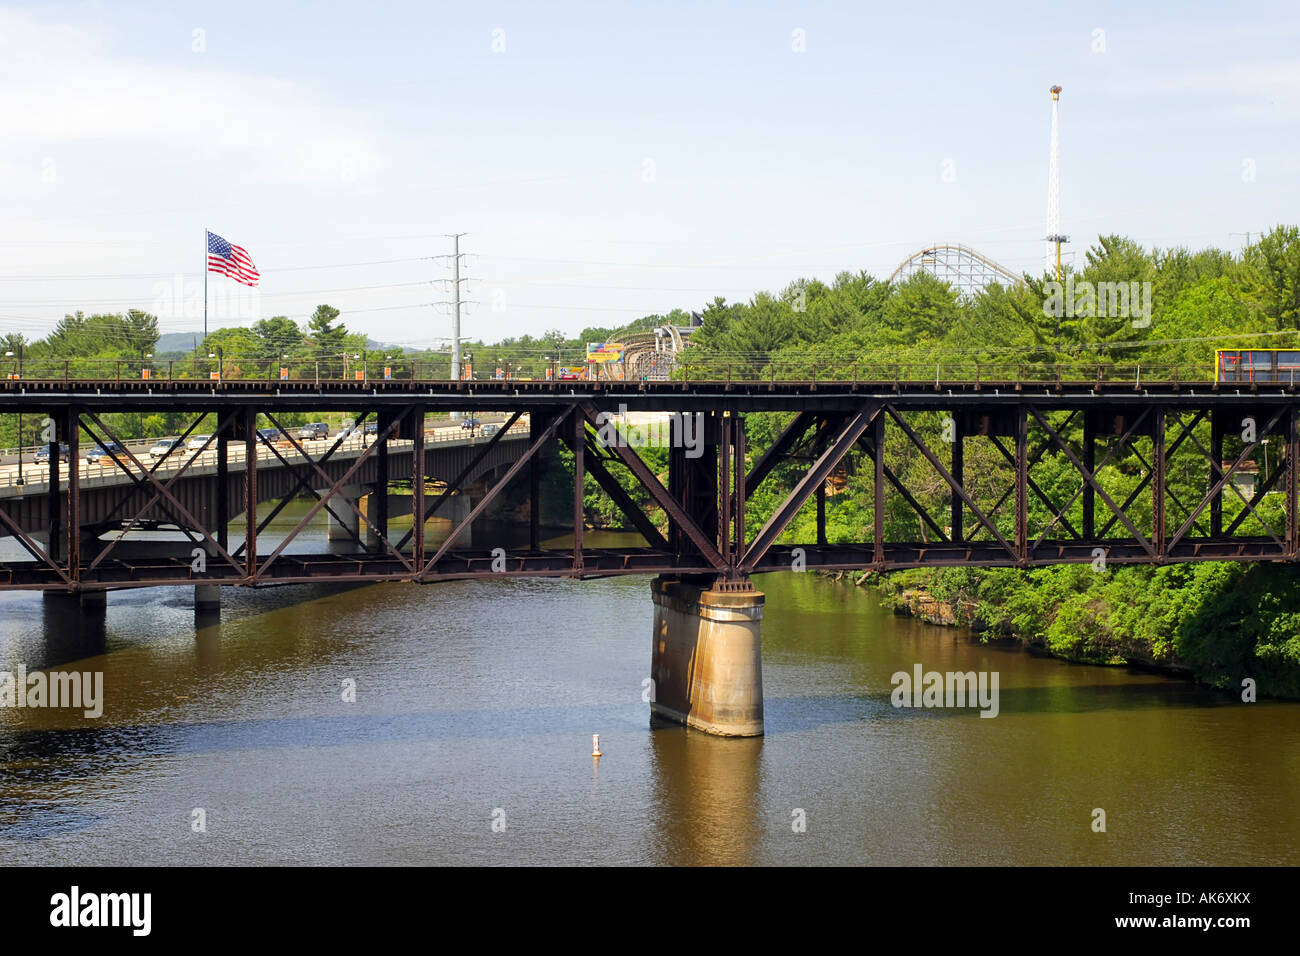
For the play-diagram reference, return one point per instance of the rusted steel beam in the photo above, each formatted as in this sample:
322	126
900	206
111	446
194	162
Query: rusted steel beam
887	474
301	477
1090	477
161	490
380	495
53	503
251	527
579	444
1034	459
306	486
1257	495
333	490
380	449
1158	483
185	466
1146	479
834	453
417	490
640	520
660	494
1216	456
1089	496
738	540
1225	479
1022	486
1034	487
534	489
72	434
779	448
454	485
957	489
724	491
139	484
878	493
958	474
821	437
547	434
1150	470
31	546
1293	482
225	419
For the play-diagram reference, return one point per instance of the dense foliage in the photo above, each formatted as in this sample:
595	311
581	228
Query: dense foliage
1221	621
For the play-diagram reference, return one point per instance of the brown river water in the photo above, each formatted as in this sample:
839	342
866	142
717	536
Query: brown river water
469	741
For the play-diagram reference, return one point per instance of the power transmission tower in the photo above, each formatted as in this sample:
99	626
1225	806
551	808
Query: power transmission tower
455	303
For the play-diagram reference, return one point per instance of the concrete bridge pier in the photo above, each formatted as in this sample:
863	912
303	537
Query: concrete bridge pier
207	600
348	523
456	509
394	506
94	602
707	662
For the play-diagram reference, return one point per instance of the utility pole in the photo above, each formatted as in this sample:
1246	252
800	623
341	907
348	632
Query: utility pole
455	303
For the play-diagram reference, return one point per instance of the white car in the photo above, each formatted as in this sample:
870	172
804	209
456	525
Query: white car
164	447
197	442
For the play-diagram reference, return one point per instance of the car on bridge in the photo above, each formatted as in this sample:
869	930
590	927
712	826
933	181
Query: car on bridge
164	447
197	442
314	430
43	453
490	430
106	453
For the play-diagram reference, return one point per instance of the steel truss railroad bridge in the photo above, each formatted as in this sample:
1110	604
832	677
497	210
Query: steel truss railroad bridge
996	514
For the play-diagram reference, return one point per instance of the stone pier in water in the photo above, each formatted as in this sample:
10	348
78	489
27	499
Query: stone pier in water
706	662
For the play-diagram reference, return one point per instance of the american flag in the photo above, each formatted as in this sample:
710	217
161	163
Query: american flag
230	260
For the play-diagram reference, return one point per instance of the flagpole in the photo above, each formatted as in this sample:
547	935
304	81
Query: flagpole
205	283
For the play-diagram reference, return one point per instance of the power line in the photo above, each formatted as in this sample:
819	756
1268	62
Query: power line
186	275
260	295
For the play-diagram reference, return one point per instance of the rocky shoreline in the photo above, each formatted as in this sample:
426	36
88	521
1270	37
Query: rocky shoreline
965	612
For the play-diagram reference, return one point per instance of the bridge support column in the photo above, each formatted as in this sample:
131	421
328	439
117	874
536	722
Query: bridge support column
706	661
207	598
347	526
456	509
94	602
394	506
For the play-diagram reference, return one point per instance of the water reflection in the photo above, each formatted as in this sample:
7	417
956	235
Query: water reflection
706	797
482	695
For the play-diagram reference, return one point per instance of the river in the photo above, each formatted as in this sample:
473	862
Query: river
469	740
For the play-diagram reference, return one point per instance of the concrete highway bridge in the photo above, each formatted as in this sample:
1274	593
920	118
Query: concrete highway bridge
205	482
987	443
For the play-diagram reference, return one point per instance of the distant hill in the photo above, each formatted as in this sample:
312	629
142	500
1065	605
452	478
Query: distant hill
176	344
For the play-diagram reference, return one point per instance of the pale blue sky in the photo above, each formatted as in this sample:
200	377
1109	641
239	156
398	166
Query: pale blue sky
323	134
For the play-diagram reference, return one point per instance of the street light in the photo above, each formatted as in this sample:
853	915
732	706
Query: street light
220	356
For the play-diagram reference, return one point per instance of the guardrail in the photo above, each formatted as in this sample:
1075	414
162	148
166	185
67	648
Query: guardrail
696	368
108	468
